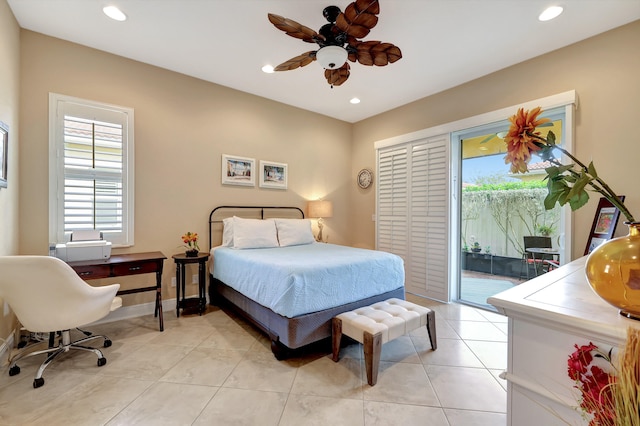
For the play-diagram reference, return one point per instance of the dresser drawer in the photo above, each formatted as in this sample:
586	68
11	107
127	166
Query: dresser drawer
135	268
92	272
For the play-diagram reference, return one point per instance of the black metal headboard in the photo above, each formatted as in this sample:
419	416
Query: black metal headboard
254	212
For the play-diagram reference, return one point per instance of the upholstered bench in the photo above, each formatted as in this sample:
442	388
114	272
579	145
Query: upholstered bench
378	324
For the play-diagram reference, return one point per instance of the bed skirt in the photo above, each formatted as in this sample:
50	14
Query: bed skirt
292	333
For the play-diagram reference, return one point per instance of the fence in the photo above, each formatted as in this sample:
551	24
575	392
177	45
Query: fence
498	219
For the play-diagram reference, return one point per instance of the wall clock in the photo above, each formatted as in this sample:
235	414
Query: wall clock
365	178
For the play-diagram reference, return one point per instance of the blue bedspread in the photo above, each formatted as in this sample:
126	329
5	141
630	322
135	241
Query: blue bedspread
302	279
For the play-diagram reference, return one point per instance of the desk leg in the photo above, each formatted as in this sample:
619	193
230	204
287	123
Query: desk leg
158	310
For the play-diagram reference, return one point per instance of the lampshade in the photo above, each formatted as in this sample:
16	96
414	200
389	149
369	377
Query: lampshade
331	57
320	208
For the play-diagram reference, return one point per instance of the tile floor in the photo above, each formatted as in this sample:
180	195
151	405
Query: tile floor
217	370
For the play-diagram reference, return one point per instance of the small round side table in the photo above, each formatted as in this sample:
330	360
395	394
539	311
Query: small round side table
201	301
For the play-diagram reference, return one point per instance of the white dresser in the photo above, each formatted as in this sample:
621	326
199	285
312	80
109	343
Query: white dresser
547	316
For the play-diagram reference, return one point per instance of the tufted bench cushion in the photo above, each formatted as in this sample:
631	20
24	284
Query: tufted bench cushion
378	324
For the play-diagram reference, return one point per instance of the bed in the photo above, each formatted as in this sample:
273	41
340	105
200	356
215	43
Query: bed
291	287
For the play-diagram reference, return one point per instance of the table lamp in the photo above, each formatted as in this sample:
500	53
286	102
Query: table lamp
320	209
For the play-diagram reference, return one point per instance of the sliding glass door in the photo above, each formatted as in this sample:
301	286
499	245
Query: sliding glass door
498	209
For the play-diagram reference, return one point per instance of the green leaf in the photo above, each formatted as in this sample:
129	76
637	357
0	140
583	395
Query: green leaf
579	200
579	185
557	191
592	170
554	171
551	138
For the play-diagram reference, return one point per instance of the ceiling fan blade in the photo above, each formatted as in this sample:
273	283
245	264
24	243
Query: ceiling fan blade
377	53
337	76
370	6
297	62
294	29
358	18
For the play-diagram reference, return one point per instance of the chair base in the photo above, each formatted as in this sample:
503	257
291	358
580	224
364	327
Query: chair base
64	345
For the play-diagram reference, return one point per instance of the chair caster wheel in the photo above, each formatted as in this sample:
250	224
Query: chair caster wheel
38	383
101	362
107	343
14	370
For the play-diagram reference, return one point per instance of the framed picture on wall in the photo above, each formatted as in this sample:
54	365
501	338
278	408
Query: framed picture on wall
273	175
238	170
4	146
604	224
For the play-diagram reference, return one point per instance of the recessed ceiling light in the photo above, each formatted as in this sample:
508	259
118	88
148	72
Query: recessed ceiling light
268	69
355	101
114	13
550	13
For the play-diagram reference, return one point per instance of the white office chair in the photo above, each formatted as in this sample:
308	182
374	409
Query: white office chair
48	296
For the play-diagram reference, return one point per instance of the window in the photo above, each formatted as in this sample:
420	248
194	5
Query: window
90	169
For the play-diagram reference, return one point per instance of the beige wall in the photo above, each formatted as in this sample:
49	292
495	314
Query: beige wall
182	127
604	72
9	105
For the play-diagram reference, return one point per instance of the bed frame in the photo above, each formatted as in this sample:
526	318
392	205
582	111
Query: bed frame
285	333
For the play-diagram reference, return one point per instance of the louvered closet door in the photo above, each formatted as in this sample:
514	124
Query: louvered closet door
393	206
416	190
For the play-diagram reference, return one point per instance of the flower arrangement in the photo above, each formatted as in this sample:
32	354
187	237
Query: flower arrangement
610	398
595	384
191	241
566	183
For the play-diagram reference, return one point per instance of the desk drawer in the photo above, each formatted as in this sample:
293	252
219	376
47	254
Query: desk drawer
135	268
93	272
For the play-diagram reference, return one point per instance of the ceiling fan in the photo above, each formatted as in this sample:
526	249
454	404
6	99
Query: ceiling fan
339	41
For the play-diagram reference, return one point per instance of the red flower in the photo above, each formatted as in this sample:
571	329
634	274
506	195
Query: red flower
580	360
595	384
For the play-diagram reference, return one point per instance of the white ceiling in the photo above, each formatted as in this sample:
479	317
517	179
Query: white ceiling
444	42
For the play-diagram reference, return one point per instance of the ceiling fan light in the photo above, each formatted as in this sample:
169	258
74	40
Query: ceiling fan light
331	57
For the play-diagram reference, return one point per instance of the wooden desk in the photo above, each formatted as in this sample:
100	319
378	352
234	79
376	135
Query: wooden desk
127	264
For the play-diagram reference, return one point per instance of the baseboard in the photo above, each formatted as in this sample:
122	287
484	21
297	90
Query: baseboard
135	311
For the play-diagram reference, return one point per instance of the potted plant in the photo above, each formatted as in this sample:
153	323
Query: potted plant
545	230
476	247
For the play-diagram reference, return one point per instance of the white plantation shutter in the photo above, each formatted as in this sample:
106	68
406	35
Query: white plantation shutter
393	206
92	155
413	212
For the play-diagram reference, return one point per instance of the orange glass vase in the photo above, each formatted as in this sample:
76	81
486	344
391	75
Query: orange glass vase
613	271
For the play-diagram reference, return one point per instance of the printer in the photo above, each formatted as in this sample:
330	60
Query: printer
84	245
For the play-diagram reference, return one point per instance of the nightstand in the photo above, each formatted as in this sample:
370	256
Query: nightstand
201	301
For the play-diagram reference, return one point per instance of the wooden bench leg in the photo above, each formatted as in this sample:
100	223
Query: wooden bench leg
372	347
336	337
431	328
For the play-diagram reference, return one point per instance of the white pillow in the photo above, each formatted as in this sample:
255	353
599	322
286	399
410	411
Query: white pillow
294	232
227	232
254	233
